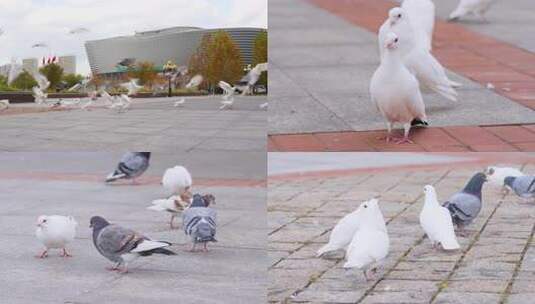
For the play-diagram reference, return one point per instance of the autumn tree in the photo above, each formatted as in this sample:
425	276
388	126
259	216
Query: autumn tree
217	58
260	54
53	72
145	73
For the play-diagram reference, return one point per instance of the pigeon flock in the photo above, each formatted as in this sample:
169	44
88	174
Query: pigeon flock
364	236
407	65
122	245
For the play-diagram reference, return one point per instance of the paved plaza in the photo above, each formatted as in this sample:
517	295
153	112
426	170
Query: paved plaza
323	56
151	124
496	263
32	184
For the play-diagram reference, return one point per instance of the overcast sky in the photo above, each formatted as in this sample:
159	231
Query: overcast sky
26	22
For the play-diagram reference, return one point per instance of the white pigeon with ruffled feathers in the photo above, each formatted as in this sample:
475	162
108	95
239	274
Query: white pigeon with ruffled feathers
55	232
342	233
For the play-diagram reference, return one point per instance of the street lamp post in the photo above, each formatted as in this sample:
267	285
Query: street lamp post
169	70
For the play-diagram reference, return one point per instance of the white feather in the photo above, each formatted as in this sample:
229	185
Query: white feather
55	231
343	232
436	221
371	243
471	7
422	18
176	180
149	245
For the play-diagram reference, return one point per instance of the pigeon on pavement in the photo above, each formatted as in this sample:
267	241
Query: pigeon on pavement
464	206
199	222
177	181
523	186
471	7
496	176
418	60
436	222
396	92
131	166
174	205
122	245
370	244
342	233
55	231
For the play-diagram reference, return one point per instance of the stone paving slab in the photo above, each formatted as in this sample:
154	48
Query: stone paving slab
232	272
151	124
323	66
493	266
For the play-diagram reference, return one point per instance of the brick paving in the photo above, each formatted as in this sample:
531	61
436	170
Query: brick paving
445	139
496	263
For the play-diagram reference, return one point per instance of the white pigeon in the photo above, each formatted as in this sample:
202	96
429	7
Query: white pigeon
496	176
396	92
177	180
174	205
264	106
248	81
195	81
342	232
422	18
227	89
180	102
420	62
477	8
55	231
42	81
436	222
370	244
4	104
132	87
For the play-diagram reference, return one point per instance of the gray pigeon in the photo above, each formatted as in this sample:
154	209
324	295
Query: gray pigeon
523	186
122	245
199	223
202	200
464	206
132	165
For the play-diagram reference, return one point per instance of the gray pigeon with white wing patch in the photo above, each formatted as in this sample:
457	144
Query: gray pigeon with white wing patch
122	245
464	206
523	186
131	166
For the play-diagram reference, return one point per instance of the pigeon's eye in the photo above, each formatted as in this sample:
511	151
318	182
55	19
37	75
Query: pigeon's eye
399	16
365	206
396	40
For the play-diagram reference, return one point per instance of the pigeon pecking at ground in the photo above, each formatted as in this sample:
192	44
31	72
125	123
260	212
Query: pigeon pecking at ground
199	221
396	92
370	244
477	8
122	245
523	186
436	222
55	231
131	166
464	206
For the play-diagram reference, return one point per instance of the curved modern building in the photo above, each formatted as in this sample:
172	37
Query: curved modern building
159	46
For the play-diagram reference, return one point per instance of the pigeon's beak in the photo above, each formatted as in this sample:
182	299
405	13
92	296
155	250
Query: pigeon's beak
390	45
393	22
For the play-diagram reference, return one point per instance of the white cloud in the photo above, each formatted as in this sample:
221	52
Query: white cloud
26	22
